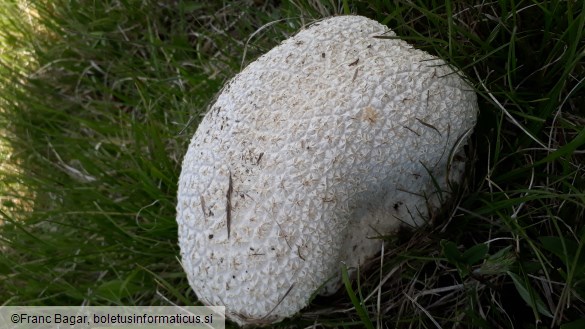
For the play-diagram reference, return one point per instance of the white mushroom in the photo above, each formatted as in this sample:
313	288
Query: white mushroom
309	154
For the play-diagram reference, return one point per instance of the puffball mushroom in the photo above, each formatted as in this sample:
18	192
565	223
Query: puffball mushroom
314	150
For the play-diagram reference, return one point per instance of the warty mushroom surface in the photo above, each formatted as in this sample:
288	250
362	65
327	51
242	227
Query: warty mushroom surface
313	151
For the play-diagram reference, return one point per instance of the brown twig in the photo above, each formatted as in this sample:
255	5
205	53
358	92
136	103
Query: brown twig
229	205
203	205
259	158
280	301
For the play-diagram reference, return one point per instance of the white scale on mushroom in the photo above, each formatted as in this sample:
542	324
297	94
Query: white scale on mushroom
311	152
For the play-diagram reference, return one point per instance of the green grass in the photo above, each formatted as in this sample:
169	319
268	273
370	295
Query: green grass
98	100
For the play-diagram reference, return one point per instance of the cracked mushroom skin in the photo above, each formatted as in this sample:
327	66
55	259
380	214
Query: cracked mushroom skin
314	150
